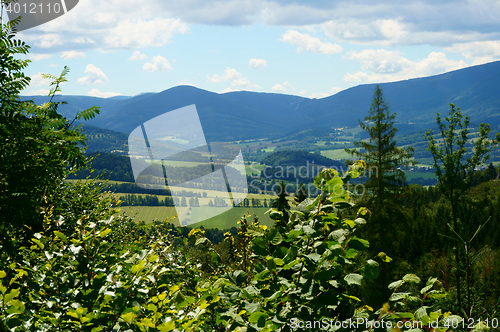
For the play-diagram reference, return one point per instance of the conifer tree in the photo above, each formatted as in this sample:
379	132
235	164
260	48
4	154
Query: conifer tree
380	152
301	194
281	203
385	180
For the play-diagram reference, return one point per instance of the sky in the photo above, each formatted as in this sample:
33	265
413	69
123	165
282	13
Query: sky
311	48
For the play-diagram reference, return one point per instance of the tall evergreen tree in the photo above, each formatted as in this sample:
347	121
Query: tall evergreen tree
385	181
281	203
301	194
380	152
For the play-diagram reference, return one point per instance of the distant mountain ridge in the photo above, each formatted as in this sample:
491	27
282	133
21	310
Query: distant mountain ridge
249	115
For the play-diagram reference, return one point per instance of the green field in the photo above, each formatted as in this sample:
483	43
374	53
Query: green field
230	218
336	154
225	220
254	168
413	175
148	214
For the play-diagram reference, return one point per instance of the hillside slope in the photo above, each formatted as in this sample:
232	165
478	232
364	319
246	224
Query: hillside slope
250	115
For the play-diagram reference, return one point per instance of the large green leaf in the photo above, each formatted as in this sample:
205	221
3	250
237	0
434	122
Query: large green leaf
371	269
353	279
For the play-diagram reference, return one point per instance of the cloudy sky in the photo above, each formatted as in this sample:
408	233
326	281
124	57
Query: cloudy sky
312	48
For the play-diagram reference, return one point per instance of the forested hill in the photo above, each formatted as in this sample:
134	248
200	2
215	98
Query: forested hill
299	158
250	115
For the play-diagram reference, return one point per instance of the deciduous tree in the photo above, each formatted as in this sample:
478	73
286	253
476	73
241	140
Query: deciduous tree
455	165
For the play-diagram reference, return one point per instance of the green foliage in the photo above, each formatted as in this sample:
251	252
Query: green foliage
455	171
80	267
38	149
301	194
454	164
281	204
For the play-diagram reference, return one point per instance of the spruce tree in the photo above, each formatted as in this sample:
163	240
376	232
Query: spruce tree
385	181
281	203
380	152
301	194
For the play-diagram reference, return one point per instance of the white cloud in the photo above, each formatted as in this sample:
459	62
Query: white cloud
38	57
141	33
305	42
159	64
238	81
73	55
112	24
480	52
95	76
38	80
137	55
257	63
389	66
380	61
371	32
286	88
39	92
99	94
47	40
107	26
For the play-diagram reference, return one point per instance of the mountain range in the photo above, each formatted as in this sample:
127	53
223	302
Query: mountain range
253	115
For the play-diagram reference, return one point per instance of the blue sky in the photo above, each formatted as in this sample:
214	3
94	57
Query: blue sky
308	48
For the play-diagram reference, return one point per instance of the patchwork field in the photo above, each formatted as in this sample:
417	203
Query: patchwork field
226	220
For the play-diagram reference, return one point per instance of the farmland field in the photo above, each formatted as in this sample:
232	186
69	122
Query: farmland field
225	220
336	154
148	214
230	218
413	175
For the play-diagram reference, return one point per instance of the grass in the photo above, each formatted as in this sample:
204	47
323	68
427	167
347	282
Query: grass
230	218
225	220
413	175
148	214
254	168
336	154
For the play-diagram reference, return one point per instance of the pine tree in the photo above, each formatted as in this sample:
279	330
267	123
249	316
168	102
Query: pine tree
281	203
385	180
301	194
380	152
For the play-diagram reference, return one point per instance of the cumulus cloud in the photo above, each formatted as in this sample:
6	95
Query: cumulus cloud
378	31
38	57
107	26
238	81
283	88
257	63
114	24
159	64
137	55
95	76
73	55
39	92
389	66
99	94
305	42
480	52
287	88
38	80
141	33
